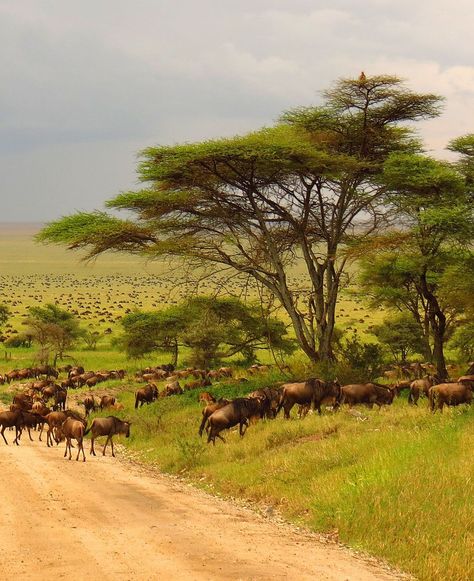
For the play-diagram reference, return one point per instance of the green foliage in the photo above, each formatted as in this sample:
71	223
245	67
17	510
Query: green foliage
213	328
401	335
463	341
365	360
55	329
20	340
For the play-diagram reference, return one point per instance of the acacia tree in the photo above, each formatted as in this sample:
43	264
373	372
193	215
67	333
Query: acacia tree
300	191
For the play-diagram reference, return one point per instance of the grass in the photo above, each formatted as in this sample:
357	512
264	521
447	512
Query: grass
398	485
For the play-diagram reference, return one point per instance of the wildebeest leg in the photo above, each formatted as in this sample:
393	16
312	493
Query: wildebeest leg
287	409
41	431
17	435
29	433
241	425
112	444
92	451
219	436
106	442
3	435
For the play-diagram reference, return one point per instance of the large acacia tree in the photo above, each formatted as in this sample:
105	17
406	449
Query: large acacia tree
299	191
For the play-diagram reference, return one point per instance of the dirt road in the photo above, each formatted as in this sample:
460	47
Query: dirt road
105	519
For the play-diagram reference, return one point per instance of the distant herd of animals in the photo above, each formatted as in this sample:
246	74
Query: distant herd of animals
41	403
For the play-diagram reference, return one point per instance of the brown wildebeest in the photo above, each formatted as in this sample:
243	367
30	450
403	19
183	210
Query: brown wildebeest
469	379
206	397
89	404
147	394
10	419
54	421
418	387
311	392
23	401
60	399
31	420
367	393
270	400
109	426
450	394
237	412
107	401
73	429
172	389
209	410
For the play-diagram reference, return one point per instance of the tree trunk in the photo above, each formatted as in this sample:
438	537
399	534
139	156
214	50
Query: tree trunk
437	321
174	361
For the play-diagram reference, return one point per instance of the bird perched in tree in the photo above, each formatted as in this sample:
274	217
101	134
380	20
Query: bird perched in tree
362	77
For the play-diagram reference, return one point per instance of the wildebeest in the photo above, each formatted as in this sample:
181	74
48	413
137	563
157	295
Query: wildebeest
450	394
107	401
10	419
469	379
31	420
311	392
89	404
237	412
367	393
60	399
73	429
109	426
209	410
147	394
270	400
206	397
418	387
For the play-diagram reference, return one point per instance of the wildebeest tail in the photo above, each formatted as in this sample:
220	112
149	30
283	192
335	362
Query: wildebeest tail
136	400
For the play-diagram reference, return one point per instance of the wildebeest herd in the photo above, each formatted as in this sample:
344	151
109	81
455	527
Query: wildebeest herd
42	404
30	407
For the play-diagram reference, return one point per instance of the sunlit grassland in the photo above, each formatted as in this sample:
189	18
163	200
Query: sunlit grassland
398	485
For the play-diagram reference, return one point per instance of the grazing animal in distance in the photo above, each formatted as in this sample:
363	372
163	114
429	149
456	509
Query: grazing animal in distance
147	394
107	401
418	387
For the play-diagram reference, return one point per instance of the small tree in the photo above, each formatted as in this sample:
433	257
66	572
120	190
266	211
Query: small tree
213	328
91	338
55	329
401	335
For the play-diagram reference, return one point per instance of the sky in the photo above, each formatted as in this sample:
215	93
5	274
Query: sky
86	85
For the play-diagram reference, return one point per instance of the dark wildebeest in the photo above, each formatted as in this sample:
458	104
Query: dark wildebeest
237	412
147	394
449	394
11	420
54	421
89	404
73	429
209	410
23	401
270	400
367	393
109	427
31	420
311	392
418	387
107	401
469	379
60	399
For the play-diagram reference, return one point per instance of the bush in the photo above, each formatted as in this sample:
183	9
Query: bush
20	340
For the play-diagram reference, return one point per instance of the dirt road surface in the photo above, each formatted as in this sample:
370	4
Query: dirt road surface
106	519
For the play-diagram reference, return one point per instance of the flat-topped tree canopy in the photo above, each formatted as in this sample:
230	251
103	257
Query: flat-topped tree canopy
300	190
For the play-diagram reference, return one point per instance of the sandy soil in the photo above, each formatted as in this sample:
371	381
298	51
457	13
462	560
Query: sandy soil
108	519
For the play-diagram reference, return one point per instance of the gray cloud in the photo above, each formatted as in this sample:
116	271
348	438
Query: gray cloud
85	85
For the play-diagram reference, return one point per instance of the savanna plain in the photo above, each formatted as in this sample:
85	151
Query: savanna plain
395	483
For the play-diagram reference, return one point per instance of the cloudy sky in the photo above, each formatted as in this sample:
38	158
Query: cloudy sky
86	84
